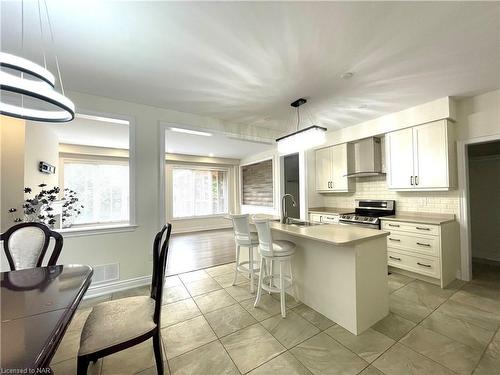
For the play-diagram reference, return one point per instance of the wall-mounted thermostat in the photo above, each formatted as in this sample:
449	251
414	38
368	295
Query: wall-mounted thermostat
46	168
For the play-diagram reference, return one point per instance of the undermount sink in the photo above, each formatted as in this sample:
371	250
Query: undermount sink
301	223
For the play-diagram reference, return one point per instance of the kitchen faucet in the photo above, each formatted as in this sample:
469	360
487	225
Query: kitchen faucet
284	214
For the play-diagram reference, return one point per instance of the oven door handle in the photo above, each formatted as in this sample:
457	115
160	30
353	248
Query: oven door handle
371	226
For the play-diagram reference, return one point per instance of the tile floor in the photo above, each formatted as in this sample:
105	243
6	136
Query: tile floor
211	327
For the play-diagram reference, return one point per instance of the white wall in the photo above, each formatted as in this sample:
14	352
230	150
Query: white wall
12	168
132	249
484	184
41	144
479	116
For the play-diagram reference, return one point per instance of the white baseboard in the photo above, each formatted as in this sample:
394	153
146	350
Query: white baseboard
116	286
201	229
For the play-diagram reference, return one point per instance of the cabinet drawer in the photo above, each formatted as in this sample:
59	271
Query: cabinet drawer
316	218
410	227
421	265
330	219
428	245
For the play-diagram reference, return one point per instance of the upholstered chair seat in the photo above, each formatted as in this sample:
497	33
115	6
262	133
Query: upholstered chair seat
114	322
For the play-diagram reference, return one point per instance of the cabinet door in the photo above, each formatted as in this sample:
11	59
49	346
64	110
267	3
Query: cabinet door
324	169
399	155
315	218
431	156
339	168
330	219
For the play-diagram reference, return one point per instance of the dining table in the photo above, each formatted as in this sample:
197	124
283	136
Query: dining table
37	305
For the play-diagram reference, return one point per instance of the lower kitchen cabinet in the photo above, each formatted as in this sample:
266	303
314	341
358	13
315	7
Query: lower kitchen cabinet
430	252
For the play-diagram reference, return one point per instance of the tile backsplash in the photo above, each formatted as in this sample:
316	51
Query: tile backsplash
442	202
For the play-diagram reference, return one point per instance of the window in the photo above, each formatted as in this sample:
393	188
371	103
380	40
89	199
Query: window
102	187
199	192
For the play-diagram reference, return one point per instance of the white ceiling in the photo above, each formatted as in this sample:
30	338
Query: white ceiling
245	62
92	133
217	145
107	134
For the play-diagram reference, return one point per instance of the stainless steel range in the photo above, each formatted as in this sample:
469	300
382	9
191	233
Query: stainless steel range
368	212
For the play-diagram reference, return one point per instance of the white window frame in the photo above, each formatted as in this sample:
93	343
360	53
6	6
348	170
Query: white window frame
132	225
202	168
95	160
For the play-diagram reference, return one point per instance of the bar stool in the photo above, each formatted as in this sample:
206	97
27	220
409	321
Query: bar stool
280	251
243	237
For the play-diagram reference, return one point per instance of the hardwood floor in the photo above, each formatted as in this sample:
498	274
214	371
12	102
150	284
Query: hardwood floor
193	251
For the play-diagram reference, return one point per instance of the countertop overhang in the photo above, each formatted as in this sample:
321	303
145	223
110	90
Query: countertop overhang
341	235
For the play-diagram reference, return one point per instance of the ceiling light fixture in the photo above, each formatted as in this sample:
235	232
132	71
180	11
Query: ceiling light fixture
301	139
28	89
189	131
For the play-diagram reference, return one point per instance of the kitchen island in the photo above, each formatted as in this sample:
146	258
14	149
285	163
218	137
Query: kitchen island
340	271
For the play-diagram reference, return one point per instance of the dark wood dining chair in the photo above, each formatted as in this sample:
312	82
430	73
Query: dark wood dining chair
117	325
26	245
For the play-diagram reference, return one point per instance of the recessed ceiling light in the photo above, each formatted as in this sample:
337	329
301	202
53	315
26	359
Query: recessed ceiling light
211	155
103	119
346	75
189	131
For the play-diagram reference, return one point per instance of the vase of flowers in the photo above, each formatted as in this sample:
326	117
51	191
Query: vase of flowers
40	208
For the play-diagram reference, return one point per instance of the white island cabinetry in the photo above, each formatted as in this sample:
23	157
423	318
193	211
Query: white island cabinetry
340	271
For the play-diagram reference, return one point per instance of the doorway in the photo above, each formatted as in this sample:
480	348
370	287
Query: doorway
291	184
484	204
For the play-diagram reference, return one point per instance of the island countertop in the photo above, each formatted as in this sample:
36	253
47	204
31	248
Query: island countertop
335	234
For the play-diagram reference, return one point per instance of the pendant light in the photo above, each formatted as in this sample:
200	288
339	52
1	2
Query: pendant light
28	89
301	139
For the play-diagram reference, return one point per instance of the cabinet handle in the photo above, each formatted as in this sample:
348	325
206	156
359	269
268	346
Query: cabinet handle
423	244
416	180
399	259
422	228
394	225
394	239
424	265
411	180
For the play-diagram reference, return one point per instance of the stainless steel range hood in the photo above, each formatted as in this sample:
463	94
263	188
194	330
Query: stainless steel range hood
367	158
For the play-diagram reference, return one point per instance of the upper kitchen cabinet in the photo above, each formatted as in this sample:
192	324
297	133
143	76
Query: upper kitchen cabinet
332	165
422	157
